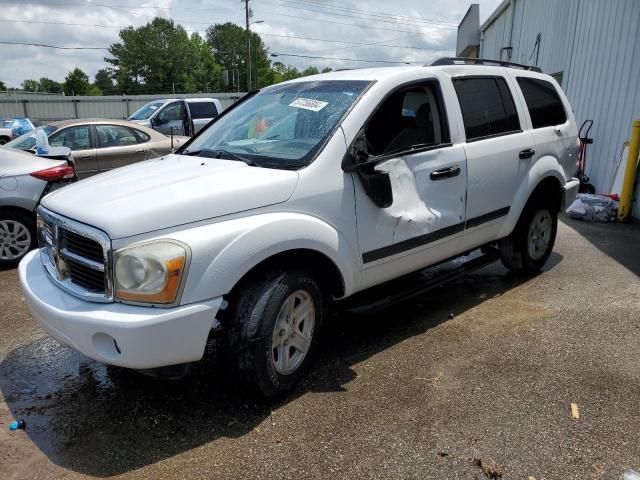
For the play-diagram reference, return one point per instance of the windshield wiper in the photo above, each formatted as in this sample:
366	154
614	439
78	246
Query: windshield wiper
220	153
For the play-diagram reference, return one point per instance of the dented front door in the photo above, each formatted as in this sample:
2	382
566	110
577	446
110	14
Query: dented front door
424	223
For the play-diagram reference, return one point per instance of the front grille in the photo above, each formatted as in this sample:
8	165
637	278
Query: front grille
85	277
76	256
82	246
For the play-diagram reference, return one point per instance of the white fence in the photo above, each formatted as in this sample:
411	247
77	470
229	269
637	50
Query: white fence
50	107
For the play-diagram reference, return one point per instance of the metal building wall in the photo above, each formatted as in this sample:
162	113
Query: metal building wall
593	43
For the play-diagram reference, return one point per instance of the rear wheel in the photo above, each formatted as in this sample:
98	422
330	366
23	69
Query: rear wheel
274	325
17	237
531	242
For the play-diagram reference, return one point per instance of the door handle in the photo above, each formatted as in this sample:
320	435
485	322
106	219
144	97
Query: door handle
86	157
140	150
528	153
443	173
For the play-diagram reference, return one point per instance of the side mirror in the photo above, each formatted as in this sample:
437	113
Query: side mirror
376	184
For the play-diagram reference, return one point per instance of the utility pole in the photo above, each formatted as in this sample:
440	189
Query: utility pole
248	62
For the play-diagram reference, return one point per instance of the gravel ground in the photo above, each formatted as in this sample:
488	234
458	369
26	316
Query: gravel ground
407	393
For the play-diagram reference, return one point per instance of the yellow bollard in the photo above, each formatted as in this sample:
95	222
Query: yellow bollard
626	197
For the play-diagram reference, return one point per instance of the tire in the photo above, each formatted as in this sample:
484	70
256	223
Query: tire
272	336
528	247
4	140
17	237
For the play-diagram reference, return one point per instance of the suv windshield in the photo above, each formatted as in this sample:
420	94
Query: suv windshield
28	140
146	111
281	126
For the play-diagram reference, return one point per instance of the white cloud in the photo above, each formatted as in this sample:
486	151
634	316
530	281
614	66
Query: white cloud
423	32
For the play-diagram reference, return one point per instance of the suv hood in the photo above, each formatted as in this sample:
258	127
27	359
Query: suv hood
169	191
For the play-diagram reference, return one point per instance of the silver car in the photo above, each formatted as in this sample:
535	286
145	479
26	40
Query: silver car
180	116
99	145
24	179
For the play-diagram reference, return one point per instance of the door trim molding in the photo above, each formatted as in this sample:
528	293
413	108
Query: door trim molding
420	240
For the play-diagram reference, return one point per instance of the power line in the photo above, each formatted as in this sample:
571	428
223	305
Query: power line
321	10
370	13
356	44
278	54
52	46
344	23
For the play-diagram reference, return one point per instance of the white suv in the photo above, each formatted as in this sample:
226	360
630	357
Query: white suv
303	193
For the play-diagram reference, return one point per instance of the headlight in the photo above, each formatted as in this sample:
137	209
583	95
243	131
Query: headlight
151	272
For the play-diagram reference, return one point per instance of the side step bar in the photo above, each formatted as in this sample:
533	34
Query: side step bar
414	284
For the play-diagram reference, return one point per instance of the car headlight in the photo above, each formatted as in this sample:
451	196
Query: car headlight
151	272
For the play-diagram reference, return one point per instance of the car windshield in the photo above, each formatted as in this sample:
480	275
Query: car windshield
28	140
146	111
282	126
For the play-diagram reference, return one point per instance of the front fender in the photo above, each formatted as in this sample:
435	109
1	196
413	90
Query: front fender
222	253
544	167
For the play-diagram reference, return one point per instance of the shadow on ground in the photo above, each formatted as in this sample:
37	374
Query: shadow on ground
617	240
105	421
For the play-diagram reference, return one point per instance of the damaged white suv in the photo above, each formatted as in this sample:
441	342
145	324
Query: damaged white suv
301	194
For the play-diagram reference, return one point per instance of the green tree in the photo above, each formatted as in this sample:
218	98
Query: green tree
229	45
310	71
49	86
160	57
326	69
30	85
76	83
104	82
2	85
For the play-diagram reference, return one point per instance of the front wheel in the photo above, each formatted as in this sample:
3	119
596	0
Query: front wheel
274	329
529	246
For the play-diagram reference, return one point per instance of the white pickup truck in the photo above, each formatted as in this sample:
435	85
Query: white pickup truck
303	193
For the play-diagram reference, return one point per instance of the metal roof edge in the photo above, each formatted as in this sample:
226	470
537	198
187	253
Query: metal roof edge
496	13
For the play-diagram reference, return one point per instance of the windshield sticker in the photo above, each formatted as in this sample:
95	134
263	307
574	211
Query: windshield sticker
309	104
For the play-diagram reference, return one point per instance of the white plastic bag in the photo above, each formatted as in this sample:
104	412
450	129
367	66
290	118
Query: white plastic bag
593	208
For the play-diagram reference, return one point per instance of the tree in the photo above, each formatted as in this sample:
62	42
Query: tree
30	85
229	45
76	82
309	71
50	86
160	57
326	69
104	82
2	86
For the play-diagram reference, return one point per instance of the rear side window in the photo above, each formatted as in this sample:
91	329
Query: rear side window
116	136
543	102
203	109
487	107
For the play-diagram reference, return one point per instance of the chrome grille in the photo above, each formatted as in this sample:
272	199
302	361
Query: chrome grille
76	256
82	246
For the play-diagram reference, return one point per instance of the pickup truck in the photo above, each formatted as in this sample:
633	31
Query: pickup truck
302	194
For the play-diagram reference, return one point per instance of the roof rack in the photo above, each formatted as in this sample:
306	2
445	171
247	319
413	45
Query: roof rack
481	61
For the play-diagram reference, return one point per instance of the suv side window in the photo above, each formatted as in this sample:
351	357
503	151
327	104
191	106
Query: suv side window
487	107
75	138
543	102
410	117
172	112
202	110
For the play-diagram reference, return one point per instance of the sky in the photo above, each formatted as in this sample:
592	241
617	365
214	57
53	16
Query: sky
345	33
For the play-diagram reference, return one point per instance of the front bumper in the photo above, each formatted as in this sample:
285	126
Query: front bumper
570	191
114	333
